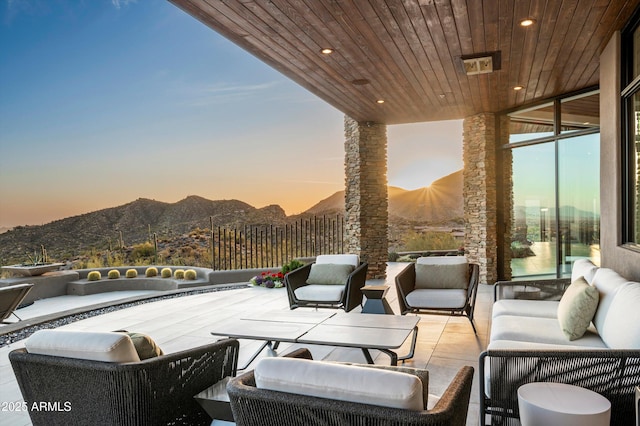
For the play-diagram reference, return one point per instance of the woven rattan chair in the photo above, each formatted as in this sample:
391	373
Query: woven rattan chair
253	406
350	297
10	298
156	391
454	302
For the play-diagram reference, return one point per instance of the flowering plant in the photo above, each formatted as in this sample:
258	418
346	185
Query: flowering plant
268	279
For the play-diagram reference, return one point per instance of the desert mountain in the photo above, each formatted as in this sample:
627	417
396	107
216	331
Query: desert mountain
440	202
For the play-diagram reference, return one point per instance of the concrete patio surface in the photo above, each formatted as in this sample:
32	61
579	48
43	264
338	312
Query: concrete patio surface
444	343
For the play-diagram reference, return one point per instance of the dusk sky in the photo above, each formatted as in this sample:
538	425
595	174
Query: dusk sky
106	101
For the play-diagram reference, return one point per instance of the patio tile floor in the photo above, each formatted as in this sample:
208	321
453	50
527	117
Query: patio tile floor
444	343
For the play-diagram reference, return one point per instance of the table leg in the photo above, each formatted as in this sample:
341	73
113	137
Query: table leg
412	351
273	346
367	355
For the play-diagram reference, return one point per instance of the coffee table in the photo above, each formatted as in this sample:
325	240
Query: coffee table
363	331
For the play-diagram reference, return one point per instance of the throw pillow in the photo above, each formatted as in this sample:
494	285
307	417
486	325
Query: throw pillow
576	308
144	345
455	276
329	273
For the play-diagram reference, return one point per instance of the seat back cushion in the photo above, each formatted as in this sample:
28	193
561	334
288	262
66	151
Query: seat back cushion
348	259
89	345
608	282
329	273
445	272
576	308
340	382
621	329
583	268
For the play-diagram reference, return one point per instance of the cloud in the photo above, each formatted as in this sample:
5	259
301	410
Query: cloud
119	3
225	93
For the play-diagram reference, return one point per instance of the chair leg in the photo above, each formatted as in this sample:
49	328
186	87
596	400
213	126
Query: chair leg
473	326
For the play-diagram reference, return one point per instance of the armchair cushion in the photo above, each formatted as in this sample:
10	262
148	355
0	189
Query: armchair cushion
96	346
442	272
145	346
342	259
329	273
576	308
320	293
341	382
437	298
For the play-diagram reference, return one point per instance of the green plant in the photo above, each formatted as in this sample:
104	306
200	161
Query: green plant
113	274
294	264
393	256
165	273
151	271
142	251
190	274
179	274
430	240
131	273
94	276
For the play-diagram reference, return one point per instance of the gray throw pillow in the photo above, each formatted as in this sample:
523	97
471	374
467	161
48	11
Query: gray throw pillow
329	273
577	307
449	276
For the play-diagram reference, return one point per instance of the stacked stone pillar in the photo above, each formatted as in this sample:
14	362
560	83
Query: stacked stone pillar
480	194
366	197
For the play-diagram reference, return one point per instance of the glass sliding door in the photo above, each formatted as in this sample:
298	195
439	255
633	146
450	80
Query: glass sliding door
534	239
579	200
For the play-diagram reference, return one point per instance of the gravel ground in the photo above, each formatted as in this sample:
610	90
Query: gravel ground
23	333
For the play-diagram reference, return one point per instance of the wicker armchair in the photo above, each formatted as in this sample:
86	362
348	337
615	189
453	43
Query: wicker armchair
254	406
438	300
349	298
156	391
10	298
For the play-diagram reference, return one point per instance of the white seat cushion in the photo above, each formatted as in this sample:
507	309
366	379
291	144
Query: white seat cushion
96	346
340	382
539	330
320	293
526	308
437	298
340	259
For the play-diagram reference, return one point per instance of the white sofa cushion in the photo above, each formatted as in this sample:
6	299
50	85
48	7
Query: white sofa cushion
526	308
341	382
437	298
320	293
539	330
341	259
583	268
621	328
96	346
607	281
576	308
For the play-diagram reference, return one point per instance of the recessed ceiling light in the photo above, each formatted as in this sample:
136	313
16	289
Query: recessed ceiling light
527	22
380	101
326	51
516	88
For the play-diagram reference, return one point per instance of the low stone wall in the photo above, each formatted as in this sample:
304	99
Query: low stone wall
51	284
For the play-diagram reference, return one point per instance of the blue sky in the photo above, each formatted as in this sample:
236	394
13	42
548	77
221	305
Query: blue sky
105	101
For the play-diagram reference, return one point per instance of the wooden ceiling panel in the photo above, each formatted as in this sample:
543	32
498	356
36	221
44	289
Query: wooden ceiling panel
410	51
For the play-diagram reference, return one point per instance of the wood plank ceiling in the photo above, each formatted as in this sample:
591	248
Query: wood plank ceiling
408	52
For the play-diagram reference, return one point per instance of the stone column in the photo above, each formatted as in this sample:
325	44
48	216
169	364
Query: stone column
366	198
480	194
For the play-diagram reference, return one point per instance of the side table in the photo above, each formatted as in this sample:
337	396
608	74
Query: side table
548	403
215	401
376	303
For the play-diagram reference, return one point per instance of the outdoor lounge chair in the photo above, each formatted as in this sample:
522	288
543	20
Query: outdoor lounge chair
252	405
332	281
159	390
444	285
10	298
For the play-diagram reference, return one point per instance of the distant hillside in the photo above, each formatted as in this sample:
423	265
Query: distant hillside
440	202
67	237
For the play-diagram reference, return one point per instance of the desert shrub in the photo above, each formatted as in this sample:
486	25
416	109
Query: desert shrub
179	274
294	264
393	256
142	251
151	271
430	240
94	276
165	273
190	274
131	273
113	274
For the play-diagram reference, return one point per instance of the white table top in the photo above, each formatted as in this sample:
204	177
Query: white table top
400	322
262	330
564	398
355	337
296	316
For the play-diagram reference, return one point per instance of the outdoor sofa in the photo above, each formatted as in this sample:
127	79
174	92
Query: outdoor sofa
530	341
293	392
